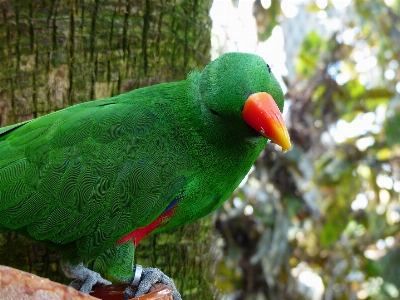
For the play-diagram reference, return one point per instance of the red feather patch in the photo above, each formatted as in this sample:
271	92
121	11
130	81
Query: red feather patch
138	234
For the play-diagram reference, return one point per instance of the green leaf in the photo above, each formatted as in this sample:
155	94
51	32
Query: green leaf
392	130
309	54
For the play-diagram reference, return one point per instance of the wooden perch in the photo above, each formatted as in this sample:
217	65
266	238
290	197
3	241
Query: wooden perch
16	284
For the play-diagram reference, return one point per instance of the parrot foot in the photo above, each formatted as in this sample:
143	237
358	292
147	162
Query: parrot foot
149	276
85	279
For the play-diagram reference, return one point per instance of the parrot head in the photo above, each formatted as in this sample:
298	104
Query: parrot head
240	85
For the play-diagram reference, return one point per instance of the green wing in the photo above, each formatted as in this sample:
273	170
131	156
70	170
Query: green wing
86	174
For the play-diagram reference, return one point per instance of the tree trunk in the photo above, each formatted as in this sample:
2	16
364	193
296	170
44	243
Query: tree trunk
56	53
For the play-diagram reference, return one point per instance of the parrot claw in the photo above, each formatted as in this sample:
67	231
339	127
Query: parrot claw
149	276
85	279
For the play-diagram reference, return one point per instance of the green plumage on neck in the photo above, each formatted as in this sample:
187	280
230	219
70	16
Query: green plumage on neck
82	178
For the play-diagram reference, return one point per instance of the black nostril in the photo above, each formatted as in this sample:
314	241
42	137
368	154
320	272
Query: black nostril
269	68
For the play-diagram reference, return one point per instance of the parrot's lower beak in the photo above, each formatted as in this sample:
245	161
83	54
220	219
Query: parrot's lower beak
261	112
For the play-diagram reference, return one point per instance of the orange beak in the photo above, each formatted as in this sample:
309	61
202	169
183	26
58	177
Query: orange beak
261	112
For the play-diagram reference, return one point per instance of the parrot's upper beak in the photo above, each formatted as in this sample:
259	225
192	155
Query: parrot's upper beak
261	112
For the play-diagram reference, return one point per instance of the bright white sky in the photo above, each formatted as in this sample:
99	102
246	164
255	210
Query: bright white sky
234	29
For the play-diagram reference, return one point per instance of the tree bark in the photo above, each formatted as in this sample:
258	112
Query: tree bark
57	53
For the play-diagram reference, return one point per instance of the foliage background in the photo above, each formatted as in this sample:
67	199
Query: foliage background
322	220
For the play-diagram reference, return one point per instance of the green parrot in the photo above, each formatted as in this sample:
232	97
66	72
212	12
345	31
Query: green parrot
95	178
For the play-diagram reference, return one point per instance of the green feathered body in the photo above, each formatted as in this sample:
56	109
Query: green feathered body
83	178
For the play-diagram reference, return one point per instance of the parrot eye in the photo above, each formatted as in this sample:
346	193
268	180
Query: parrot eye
269	68
213	112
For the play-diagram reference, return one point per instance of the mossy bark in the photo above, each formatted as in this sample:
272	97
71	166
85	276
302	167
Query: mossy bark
56	53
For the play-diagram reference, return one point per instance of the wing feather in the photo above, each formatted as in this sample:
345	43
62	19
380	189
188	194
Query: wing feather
88	174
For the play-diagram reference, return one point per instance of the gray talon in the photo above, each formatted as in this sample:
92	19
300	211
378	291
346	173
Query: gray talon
151	276
85	279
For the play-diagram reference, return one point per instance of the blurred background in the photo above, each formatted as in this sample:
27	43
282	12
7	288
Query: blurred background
318	222
322	220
